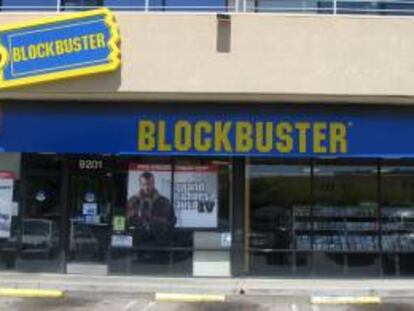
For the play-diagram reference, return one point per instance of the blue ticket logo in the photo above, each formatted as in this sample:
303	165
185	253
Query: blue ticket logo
58	48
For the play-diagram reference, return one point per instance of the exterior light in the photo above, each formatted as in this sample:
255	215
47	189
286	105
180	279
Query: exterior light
223	17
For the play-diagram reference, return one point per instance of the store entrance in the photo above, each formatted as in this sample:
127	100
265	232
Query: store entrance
89	214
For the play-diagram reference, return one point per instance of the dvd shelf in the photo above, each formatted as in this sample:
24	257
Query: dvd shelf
354	228
397	229
332	228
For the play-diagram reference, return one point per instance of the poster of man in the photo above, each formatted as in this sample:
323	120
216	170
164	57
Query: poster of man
153	207
150	210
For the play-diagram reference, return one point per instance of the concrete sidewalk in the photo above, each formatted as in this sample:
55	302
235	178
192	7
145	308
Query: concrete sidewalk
223	286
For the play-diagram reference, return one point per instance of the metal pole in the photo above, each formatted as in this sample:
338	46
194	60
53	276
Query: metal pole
238	216
58	6
146	5
334	6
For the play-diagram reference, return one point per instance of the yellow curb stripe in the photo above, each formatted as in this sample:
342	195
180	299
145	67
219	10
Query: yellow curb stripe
345	300
31	293
172	297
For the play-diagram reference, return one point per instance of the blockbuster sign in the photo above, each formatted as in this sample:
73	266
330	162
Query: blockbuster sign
60	47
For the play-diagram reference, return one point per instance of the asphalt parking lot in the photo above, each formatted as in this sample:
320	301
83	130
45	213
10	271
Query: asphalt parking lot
83	301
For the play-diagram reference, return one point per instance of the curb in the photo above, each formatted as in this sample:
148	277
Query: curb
30	293
175	297
330	300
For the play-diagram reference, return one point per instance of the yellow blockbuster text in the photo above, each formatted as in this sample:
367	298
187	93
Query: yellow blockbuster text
59	47
243	136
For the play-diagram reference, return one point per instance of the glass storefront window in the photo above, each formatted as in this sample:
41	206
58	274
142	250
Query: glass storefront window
173	216
279	204
171	210
319	219
345	219
397	219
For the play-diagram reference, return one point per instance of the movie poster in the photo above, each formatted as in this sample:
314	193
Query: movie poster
6	203
193	203
195	196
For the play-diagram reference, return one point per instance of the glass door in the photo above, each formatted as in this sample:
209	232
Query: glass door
41	221
89	220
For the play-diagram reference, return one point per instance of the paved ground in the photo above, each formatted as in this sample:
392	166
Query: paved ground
83	301
112	293
226	286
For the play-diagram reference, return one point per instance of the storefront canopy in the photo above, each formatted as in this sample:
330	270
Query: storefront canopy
208	129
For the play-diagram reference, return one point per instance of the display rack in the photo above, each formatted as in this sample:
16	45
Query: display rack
354	228
328	228
397	225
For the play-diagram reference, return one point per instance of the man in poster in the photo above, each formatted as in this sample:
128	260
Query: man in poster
151	213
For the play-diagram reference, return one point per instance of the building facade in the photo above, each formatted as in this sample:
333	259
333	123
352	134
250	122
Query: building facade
224	145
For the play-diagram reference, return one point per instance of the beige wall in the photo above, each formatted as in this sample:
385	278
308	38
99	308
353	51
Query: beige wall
254	58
